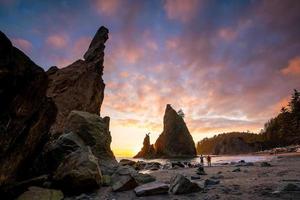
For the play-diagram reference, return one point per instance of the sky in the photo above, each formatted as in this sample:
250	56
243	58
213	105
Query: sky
229	65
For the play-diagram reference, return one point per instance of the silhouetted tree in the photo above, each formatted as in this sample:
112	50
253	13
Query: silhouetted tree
181	113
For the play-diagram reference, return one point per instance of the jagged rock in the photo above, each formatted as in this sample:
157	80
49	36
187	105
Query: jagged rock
124	183
147	150
79	172
94	131
127	162
153	188
175	140
79	86
181	185
37	193
26	114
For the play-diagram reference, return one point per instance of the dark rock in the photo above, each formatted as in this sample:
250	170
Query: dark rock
79	86
140	165
124	183
175	140
181	185
290	187
37	193
153	188
200	171
127	162
217	176
236	170
147	150
79	172
265	164
209	182
143	178
179	164
242	161
153	166
195	177
26	114
94	131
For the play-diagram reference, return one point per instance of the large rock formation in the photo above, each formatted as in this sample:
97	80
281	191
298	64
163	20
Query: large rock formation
26	114
79	86
175	140
147	150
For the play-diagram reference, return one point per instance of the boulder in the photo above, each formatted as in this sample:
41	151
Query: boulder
147	150
140	165
209	182
144	178
79	86
124	183
153	188
291	187
37	193
79	172
26	113
94	131
181	185
236	170
175	140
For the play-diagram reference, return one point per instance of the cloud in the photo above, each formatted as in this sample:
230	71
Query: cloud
108	7
293	67
180	10
23	44
57	41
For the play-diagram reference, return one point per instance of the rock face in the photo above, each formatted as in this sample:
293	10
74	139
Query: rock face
26	114
79	86
153	188
148	150
175	140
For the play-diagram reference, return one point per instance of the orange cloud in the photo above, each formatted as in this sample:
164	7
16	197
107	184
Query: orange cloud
293	67
23	44
181	10
107	7
57	41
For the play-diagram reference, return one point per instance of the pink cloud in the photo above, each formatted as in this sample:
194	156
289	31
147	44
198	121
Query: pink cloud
57	41
227	34
108	7
23	44
181	10
293	67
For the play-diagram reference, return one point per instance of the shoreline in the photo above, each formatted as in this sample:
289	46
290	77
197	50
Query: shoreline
249	182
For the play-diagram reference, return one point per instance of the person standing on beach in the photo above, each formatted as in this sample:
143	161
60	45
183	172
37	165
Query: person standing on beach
208	158
201	160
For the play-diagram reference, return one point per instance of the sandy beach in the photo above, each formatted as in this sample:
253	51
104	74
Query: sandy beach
251	182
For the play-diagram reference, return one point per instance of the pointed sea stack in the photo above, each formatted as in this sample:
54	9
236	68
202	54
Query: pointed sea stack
148	150
175	140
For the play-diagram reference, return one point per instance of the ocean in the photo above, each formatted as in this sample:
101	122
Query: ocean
216	159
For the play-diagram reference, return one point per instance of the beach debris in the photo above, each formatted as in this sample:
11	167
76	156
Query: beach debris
153	188
37	193
179	184
209	182
265	164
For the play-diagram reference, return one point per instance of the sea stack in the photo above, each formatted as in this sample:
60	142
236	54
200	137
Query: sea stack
147	150
175	140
